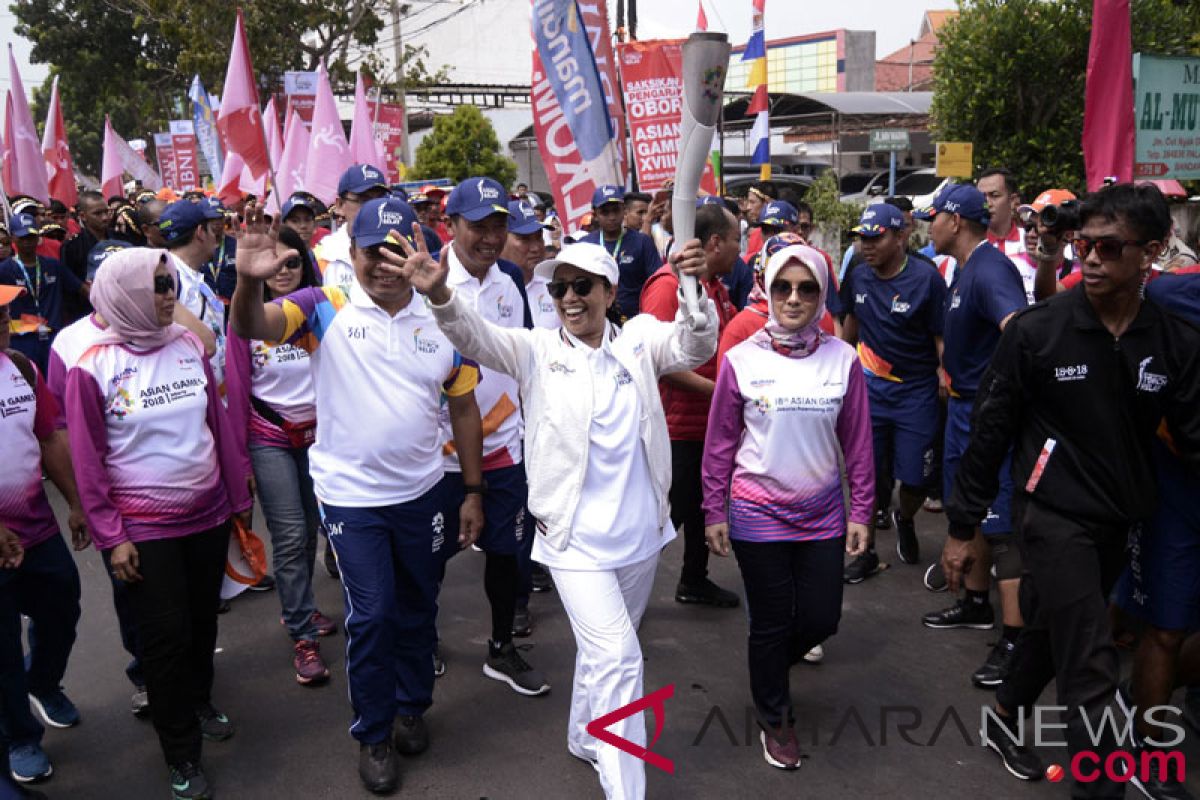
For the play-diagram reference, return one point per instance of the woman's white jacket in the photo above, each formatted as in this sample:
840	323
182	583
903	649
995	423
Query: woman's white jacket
557	396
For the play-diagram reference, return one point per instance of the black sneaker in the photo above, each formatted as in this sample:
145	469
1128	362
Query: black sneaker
214	725
997	666
935	578
188	782
508	666
378	767
331	565
883	519
962	614
706	594
861	568
907	546
1158	786
265	584
1020	761
411	735
542	582
522	622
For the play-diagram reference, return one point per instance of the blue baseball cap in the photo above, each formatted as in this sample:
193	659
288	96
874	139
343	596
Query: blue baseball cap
962	199
778	214
362	178
377	217
522	220
878	218
607	194
22	225
476	198
709	200
297	200
183	216
398	192
101	251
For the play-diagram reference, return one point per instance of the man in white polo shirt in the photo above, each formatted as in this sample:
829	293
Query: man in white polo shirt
478	212
359	184
191	243
381	368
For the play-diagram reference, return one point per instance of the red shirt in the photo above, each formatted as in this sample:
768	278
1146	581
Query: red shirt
50	248
687	412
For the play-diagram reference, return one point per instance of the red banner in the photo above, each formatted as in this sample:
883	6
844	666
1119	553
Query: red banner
650	72
165	153
187	164
569	179
389	129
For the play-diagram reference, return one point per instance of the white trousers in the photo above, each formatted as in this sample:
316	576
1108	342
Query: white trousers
605	608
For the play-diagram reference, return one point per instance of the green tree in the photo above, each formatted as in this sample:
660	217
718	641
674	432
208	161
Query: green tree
134	59
462	145
1009	76
831	216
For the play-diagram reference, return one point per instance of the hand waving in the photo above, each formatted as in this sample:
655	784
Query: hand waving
257	254
427	276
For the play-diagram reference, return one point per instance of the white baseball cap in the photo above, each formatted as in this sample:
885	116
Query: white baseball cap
587	256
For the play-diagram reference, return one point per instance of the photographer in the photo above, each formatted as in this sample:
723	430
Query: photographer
1054	217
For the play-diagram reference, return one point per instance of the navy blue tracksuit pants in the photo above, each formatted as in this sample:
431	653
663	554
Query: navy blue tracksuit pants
44	588
391	563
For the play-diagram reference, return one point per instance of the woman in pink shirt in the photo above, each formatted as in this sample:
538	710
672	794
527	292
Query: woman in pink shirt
159	479
789	401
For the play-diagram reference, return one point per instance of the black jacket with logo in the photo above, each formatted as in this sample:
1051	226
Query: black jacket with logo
1059	379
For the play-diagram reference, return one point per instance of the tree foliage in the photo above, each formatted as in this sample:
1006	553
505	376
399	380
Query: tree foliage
463	145
833	217
1009	76
134	59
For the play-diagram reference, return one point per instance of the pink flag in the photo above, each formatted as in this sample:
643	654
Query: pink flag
274	138
701	18
28	171
362	134
291	164
59	168
8	161
111	172
239	119
228	188
328	151
1108	129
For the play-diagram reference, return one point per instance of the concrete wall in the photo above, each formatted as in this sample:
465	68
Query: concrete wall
860	61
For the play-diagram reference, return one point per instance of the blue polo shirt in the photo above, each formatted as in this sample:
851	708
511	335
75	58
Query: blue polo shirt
986	289
898	319
47	281
739	282
637	259
1179	294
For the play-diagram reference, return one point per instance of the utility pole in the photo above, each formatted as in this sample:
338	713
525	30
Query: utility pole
631	12
398	55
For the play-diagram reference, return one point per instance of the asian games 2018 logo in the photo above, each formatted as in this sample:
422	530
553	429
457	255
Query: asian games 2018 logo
762	404
260	355
121	403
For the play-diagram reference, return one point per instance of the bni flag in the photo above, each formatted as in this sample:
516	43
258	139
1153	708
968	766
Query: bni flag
570	66
756	54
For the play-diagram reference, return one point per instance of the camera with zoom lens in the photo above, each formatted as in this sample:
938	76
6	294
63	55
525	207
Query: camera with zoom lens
1061	217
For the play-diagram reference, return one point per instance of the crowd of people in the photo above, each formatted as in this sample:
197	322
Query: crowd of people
544	397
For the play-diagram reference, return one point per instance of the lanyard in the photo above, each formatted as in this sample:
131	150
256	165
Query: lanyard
616	251
35	289
214	266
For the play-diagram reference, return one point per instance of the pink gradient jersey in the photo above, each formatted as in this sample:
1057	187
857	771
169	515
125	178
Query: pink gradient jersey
27	416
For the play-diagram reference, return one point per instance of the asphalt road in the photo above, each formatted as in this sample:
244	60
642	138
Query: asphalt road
890	711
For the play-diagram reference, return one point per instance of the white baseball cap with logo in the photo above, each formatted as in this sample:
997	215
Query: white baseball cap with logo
586	256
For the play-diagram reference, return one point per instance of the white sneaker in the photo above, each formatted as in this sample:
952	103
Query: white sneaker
816	655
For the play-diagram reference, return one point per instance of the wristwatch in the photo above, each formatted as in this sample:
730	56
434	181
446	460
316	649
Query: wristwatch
480	488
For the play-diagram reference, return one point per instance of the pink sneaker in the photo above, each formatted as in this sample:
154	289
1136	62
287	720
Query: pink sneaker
780	748
310	668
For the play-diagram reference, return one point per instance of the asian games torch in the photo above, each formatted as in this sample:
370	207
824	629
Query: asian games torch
705	61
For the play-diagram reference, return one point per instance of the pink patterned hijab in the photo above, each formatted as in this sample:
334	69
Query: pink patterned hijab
123	294
804	341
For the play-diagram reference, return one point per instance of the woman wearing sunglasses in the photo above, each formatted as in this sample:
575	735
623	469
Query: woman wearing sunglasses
159	478
599	465
789	401
272	409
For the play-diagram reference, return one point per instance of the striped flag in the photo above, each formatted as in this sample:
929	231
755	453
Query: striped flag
756	54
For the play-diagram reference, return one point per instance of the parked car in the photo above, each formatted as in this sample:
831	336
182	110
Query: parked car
875	185
738	185
920	186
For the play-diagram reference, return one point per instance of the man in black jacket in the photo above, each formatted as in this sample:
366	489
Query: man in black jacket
95	217
1078	387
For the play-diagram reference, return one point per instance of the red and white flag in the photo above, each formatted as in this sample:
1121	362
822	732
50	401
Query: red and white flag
239	119
111	171
60	170
27	173
363	145
328	150
229	189
701	17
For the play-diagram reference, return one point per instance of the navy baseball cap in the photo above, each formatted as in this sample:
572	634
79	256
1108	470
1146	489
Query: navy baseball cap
607	194
22	225
297	200
778	214
878	218
101	251
377	217
522	220
709	200
397	191
362	178
476	198
183	216
962	199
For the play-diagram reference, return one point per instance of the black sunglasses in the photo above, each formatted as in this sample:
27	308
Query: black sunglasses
1108	248
582	287
782	290
163	284
375	252
293	263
